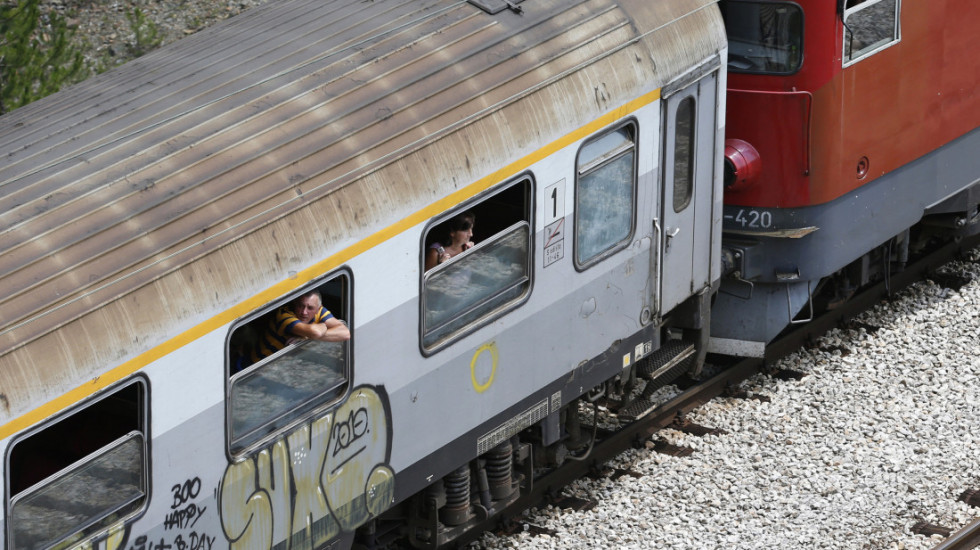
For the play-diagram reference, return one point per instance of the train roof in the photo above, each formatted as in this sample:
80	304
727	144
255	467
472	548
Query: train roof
149	199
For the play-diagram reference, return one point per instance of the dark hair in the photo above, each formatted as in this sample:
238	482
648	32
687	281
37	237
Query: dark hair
461	222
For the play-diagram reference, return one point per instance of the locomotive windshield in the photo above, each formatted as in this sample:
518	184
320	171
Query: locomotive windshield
763	37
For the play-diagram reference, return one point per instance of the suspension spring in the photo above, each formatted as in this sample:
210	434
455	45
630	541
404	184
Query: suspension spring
457	506
499	470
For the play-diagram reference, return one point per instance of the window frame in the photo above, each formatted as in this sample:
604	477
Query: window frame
692	159
802	39
128	510
493	313
848	34
591	167
286	420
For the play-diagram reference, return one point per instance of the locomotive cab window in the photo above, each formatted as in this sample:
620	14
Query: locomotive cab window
605	190
80	475
764	37
288	359
477	264
869	26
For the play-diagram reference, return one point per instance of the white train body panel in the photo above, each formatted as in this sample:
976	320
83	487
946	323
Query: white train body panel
344	193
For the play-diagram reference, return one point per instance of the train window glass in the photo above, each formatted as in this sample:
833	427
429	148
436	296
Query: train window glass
869	26
604	190
470	288
278	376
763	37
684	154
80	475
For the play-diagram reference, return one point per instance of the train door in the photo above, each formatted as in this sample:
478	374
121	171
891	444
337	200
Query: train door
688	174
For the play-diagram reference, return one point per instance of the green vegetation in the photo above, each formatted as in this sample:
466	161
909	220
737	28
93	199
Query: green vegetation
147	34
40	53
35	57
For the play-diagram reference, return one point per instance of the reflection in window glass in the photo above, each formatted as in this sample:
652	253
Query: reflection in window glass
494	273
484	281
280	388
80	475
763	37
684	154
91	496
284	387
604	193
869	26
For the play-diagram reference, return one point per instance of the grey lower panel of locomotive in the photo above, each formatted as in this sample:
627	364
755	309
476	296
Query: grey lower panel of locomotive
746	317
777	273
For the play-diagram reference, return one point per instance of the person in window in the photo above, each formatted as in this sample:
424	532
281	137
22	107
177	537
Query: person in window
241	348
304	318
460	239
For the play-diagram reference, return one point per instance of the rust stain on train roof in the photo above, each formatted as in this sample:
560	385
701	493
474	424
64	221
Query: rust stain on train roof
138	203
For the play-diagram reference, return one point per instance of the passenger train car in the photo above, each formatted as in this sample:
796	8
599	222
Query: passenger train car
156	221
852	131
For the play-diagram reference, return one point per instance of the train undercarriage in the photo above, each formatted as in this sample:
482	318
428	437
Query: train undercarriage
456	508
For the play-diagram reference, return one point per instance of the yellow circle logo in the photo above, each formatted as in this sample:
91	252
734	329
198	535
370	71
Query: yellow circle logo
481	387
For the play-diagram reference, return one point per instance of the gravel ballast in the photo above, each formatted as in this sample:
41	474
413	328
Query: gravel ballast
879	435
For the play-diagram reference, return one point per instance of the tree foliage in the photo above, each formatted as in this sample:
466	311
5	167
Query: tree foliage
146	35
36	58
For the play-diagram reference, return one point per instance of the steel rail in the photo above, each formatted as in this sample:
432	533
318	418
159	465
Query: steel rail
964	539
549	486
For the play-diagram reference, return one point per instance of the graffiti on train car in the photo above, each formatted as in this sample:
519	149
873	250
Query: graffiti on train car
189	541
184	515
326	476
184	518
114	540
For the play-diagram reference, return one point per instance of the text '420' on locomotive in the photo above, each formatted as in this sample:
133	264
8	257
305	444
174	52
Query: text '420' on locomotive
341	274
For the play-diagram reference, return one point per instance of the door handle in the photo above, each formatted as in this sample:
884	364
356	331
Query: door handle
670	234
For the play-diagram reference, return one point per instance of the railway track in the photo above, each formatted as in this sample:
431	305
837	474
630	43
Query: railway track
547	489
966	538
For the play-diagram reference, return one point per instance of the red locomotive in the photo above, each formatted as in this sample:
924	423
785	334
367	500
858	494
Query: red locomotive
853	136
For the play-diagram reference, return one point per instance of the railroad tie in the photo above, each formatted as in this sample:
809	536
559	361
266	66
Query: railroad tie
971	497
929	529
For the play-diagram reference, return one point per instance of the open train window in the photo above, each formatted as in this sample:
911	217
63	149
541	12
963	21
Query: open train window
605	190
869	26
464	289
764	37
80	475
278	372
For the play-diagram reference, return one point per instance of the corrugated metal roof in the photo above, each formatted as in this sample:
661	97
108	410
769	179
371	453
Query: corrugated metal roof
135	175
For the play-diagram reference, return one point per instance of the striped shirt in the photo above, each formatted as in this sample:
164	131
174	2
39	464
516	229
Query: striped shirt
279	332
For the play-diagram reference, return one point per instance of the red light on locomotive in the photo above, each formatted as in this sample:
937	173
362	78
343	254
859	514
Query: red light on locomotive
742	165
